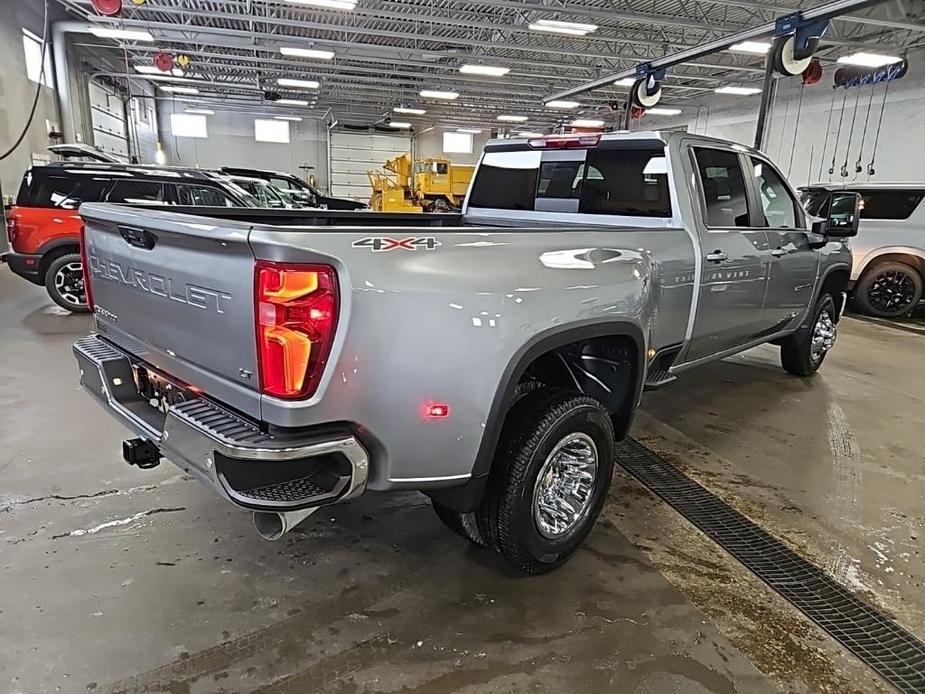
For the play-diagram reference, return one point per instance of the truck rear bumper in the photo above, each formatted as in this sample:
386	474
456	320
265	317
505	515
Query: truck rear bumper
247	466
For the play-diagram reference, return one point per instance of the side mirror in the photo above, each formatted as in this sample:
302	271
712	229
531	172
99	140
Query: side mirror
842	215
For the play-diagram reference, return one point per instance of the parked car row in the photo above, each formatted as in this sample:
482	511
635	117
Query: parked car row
43	224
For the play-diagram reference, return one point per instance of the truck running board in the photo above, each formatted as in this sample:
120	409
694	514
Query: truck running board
658	379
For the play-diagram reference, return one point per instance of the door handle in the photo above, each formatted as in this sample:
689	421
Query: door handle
717	256
778	252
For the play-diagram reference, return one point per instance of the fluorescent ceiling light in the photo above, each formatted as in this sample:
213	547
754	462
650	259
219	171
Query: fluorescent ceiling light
295	119
663	111
437	94
201	111
558	103
127	34
868	59
152	70
587	123
490	70
759	47
471	131
625	82
413	111
316	53
291	102
327	4
513	119
739	91
301	84
399	124
568	28
180	90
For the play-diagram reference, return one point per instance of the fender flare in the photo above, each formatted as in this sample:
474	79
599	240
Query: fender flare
466	496
50	247
872	256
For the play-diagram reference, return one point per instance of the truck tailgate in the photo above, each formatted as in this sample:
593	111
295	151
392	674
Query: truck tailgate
176	291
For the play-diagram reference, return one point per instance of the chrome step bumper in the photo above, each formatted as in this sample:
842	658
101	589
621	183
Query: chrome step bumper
249	467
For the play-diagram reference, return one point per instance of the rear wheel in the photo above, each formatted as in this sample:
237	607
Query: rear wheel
549	478
803	352
64	281
889	289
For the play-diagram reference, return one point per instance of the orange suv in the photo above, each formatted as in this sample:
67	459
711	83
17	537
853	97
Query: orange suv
44	227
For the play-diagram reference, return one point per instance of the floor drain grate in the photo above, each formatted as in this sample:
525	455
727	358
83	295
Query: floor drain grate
890	650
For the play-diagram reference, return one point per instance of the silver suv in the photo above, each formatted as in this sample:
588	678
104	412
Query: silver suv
889	251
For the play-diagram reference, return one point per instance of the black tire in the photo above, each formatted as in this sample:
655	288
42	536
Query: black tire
534	429
798	354
889	289
463	524
63	287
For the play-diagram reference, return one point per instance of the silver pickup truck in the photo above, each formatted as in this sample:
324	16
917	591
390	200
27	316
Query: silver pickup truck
293	358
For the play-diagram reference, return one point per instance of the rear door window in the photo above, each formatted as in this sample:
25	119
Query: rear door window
889	204
203	196
725	201
64	192
137	192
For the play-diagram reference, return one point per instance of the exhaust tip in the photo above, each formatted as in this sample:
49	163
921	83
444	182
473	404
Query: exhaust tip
270	526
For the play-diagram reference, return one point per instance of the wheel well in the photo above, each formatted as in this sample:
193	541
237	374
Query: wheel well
51	255
604	368
836	284
907	258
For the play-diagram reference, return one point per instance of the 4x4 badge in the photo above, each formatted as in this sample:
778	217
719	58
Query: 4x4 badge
384	243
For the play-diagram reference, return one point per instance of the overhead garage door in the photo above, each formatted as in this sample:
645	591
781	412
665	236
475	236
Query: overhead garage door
353	154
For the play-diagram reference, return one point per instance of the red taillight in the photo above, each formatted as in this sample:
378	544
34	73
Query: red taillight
579	141
436	410
296	312
12	227
85	266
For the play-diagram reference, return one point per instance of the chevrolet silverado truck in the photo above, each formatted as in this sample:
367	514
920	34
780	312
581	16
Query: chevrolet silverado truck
490	359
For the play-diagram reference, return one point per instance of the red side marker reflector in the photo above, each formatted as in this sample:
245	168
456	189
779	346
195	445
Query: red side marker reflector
436	410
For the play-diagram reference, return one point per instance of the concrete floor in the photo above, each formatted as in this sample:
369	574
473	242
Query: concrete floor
119	580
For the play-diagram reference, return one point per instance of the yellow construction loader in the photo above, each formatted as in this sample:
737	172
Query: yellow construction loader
432	185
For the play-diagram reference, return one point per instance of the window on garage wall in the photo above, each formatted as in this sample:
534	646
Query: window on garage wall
457	143
266	130
32	48
188	125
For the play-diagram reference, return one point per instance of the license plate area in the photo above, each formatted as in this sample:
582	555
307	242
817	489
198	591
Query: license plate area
158	390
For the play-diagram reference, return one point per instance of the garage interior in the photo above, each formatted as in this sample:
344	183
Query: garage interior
126	580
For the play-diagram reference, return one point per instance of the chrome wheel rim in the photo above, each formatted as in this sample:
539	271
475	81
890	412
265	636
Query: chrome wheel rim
69	283
824	333
565	486
892	291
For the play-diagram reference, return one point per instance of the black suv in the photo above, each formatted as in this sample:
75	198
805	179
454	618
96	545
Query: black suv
301	194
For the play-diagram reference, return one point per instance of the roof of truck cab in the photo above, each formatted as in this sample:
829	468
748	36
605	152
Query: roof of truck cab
646	136
867	185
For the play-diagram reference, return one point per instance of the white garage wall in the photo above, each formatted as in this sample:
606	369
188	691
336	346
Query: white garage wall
430	144
898	156
231	143
16	94
353	154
